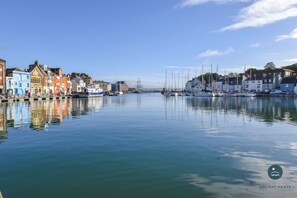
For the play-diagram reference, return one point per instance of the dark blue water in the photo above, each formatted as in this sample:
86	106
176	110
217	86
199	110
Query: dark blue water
146	145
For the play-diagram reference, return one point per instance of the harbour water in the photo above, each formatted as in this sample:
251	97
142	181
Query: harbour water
146	145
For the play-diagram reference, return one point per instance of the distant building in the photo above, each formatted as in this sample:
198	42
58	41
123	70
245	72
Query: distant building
106	86
86	78
2	76
197	84
234	84
77	84
122	86
188	87
288	84
18	82
254	84
219	86
68	84
114	87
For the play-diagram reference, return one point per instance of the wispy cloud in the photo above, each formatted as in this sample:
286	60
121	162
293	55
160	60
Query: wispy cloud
212	53
190	3
291	60
292	35
264	12
257	14
255	45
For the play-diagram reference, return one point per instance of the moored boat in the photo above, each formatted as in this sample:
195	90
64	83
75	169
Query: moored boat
248	94
91	91
203	94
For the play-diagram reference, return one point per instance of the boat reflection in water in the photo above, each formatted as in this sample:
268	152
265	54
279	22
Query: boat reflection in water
240	139
264	109
144	145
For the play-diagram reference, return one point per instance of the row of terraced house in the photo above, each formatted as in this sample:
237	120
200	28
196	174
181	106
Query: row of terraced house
267	80
42	80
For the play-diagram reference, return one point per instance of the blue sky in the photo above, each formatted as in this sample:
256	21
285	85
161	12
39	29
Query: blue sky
125	39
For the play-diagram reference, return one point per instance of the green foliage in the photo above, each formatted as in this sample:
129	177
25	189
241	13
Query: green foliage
270	66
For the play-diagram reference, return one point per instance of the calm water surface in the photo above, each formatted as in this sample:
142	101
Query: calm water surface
148	146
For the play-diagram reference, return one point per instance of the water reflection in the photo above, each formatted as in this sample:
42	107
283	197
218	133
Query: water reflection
221	146
268	110
248	135
39	115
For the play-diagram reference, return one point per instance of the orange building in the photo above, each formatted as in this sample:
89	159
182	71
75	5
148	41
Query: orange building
2	76
60	82
68	84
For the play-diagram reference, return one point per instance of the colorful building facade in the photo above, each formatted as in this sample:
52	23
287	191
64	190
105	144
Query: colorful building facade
38	84
18	82
2	76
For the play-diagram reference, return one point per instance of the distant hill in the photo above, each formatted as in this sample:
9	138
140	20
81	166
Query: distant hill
292	67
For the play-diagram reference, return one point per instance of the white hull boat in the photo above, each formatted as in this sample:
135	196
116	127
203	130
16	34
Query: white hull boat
91	91
203	94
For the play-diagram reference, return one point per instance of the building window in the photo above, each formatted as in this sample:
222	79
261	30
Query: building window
28	77
28	85
15	83
20	84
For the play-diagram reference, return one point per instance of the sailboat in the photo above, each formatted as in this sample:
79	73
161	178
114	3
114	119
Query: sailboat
199	92
165	91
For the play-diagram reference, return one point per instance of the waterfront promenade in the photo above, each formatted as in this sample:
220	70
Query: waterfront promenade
20	99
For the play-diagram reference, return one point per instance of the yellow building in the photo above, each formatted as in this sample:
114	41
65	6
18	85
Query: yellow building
38	80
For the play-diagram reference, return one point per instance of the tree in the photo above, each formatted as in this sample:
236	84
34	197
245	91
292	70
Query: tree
270	65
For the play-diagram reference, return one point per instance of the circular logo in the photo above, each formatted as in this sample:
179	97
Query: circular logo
275	172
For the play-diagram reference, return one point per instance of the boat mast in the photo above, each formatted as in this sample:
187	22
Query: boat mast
165	80
244	78
225	82
211	78
202	81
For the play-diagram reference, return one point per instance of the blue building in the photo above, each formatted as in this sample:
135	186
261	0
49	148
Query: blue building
288	84
19	80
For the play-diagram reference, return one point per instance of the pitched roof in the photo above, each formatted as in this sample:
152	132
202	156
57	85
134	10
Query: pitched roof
9	71
41	70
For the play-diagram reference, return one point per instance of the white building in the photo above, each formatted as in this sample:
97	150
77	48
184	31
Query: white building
9	85
77	84
188	87
253	84
219	86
